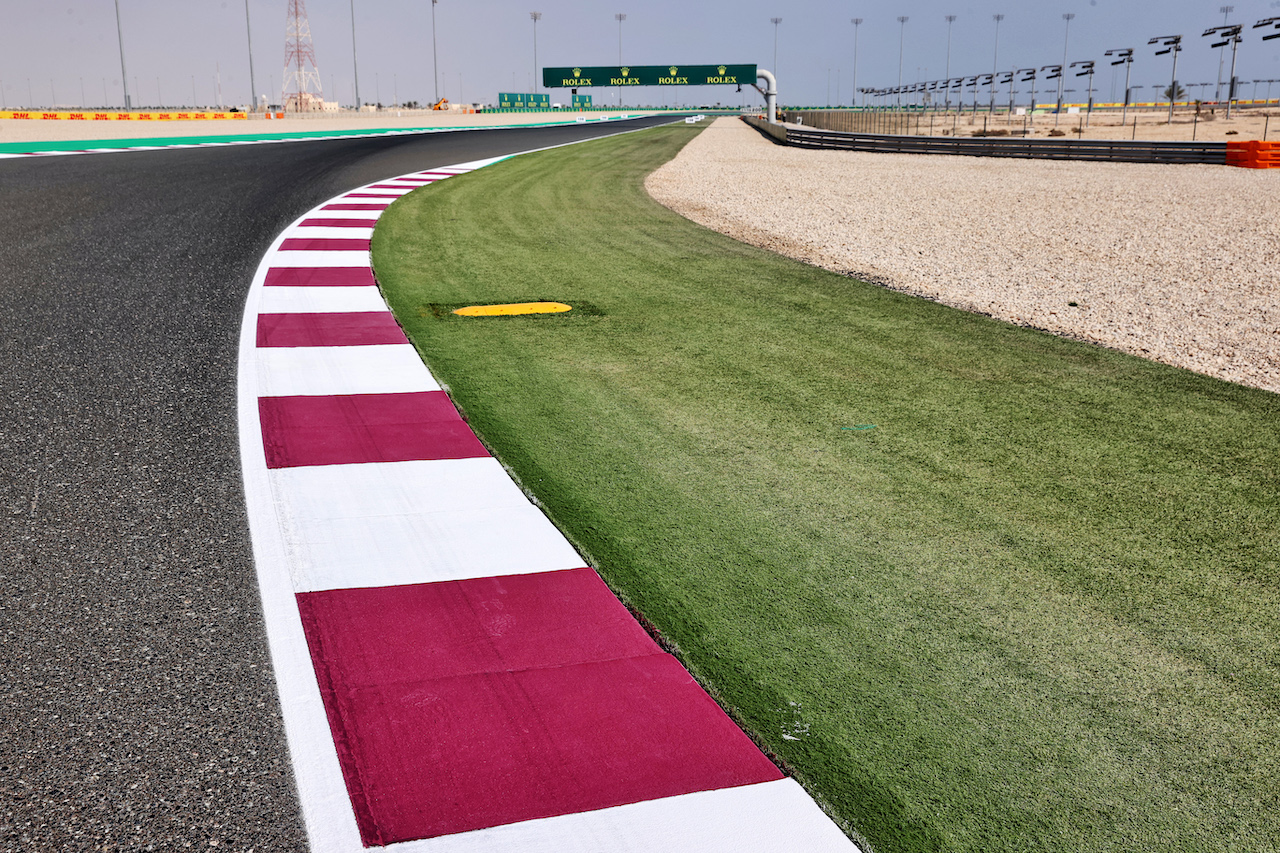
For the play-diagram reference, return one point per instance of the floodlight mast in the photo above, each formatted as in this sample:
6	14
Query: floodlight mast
1007	77
1126	57
1031	76
1055	73
1172	44
1231	36
1086	69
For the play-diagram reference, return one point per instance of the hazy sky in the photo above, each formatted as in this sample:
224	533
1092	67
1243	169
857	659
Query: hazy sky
53	50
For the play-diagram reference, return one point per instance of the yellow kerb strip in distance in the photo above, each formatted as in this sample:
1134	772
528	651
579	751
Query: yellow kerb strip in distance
514	308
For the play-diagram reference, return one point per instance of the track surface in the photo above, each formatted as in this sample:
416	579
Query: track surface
137	704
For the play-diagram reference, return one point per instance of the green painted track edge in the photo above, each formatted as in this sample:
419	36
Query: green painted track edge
170	141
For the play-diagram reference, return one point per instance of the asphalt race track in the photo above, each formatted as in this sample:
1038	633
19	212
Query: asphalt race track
138	708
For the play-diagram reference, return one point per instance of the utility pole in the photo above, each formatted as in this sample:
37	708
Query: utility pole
124	77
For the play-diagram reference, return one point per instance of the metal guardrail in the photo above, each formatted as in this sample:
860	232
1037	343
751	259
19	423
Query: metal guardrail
1120	151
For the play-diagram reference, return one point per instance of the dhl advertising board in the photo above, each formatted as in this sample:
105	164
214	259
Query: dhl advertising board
649	75
37	115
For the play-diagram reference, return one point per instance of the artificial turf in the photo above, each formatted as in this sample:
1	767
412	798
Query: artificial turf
980	588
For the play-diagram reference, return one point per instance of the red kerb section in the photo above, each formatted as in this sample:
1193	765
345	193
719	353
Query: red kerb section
319	277
354	206
334	329
354	428
473	704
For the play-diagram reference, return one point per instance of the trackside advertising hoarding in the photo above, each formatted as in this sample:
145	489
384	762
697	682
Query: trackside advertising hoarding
648	75
523	101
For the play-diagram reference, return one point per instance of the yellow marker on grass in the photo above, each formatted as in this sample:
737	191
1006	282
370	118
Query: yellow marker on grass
513	308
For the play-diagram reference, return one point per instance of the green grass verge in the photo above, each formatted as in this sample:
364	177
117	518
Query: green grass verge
1034	608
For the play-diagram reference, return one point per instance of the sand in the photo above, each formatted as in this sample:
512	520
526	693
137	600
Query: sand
1176	263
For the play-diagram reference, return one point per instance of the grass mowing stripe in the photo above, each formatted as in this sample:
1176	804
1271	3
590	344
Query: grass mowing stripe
1035	608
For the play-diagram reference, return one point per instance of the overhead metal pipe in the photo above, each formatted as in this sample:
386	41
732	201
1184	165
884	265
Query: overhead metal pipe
770	93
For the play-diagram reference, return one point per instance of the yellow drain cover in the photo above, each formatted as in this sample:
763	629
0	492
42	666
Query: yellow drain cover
514	308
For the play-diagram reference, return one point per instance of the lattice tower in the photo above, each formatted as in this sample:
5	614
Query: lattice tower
301	90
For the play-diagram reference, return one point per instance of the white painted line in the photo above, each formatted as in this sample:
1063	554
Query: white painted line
771	817
321	300
392	523
364	193
371	215
340	232
383	369
307	258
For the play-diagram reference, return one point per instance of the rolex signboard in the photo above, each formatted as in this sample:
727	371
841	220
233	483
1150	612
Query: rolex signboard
523	101
649	75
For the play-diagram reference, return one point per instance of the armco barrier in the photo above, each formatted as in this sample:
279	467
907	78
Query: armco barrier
1254	155
1122	151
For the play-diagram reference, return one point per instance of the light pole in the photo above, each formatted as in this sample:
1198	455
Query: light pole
951	19
620	17
435	65
1171	44
1031	77
995	61
535	17
1231	36
1061	81
1086	69
124	77
355	64
857	22
902	40
775	22
253	89
1217	93
1125	55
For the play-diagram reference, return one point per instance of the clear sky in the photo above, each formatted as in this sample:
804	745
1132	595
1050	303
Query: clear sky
54	49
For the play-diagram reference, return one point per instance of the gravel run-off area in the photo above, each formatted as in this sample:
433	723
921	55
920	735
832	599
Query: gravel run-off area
1176	263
